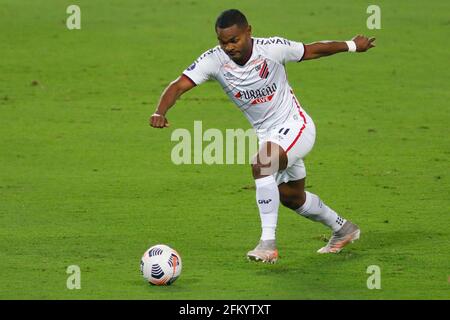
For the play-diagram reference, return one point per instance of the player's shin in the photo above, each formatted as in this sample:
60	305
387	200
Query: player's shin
316	210
268	201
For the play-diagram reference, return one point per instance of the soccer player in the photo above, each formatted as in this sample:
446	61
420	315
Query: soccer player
252	73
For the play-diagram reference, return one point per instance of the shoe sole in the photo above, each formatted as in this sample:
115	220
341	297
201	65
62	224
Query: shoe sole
352	237
258	259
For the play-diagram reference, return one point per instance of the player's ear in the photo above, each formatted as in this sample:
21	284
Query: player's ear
249	30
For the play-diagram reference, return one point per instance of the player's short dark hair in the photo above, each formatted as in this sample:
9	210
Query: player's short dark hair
231	17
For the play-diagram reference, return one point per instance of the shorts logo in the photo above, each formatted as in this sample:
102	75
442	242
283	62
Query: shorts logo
285	131
265	201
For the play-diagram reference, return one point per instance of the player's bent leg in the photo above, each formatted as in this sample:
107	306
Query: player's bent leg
292	194
309	205
269	160
316	210
347	234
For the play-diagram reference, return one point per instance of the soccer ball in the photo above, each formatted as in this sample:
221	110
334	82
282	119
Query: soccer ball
161	265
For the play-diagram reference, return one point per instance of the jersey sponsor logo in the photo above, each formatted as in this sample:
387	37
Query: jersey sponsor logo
265	201
259	95
273	41
262	100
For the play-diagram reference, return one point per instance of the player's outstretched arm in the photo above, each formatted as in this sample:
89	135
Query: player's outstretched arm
168	98
326	48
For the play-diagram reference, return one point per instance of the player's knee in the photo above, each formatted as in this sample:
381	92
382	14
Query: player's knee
257	170
288	201
262	170
270	159
293	200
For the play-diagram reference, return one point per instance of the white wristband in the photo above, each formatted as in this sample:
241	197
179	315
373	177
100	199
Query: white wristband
351	46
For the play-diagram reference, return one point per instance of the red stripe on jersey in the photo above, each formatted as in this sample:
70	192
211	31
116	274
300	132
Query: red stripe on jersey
297	137
304	122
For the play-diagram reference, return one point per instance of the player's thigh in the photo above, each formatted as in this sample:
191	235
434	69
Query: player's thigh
270	159
295	171
296	138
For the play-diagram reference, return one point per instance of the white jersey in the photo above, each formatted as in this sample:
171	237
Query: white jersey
260	87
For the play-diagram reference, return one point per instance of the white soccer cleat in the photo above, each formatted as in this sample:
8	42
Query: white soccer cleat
265	251
347	234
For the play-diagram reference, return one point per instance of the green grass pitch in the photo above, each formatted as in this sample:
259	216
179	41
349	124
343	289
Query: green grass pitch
85	181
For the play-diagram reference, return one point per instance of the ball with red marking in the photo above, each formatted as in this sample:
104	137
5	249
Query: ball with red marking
161	265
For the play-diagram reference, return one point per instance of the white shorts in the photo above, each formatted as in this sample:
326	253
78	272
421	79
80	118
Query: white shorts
296	136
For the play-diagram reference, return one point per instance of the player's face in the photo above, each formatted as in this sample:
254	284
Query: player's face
235	41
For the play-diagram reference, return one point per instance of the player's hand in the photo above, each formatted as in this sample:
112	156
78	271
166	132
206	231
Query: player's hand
363	43
158	121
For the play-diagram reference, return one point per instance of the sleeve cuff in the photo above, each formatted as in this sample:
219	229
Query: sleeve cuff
301	58
189	78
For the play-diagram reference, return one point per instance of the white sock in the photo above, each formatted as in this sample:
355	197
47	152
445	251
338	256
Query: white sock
316	210
268	201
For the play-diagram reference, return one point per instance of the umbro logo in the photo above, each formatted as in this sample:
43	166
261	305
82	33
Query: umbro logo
229	76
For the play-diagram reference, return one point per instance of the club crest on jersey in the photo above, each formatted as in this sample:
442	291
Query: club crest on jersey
263	70
257	96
